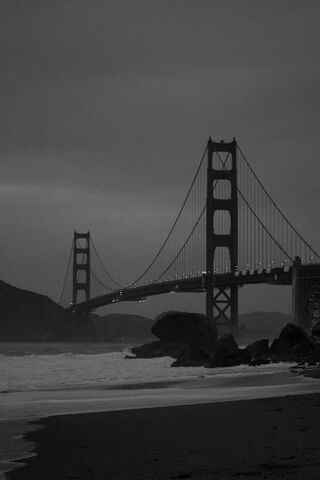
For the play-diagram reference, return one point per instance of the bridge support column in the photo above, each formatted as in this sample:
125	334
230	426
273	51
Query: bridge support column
305	278
221	302
81	265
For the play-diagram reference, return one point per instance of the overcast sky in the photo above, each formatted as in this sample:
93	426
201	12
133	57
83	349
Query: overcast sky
106	107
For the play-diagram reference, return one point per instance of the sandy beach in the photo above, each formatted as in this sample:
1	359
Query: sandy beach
273	438
239	422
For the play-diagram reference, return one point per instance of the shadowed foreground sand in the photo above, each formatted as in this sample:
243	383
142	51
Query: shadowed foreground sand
274	438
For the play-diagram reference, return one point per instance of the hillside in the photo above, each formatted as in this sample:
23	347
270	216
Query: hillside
121	327
257	325
29	316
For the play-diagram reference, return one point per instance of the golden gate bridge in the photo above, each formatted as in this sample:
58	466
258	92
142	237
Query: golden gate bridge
229	232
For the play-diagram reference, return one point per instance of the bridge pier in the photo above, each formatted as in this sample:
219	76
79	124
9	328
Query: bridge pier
304	279
221	302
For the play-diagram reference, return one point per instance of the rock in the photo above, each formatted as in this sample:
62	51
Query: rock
190	328
259	361
159	349
192	357
259	349
293	344
227	353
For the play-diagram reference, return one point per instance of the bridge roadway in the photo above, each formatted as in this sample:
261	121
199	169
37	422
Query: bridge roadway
275	276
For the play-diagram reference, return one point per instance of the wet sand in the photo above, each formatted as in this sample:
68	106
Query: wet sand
272	438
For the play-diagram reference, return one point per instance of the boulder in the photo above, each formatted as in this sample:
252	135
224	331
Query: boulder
259	361
227	353
258	350
190	328
192	357
159	349
292	344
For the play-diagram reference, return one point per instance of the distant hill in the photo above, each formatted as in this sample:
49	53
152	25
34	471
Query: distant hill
29	316
122	327
257	325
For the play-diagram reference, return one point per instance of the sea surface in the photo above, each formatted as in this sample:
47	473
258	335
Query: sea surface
41	366
41	379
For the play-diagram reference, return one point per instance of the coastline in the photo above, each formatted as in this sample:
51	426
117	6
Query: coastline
261	438
39	408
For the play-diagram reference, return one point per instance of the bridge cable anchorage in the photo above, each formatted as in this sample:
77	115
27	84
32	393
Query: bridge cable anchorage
254	214
191	232
275	204
103	266
173	226
66	275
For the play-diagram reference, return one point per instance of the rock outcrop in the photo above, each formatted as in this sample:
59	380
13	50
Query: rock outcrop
186	337
293	344
190	328
228	354
159	349
191	357
258	350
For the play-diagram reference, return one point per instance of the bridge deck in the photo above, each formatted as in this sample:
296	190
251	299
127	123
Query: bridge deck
277	276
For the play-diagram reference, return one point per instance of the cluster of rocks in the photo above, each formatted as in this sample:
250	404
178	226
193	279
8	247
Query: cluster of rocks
191	341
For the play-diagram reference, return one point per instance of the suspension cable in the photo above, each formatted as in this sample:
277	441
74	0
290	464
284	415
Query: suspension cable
174	224
253	212
275	205
183	246
66	275
192	231
103	266
99	281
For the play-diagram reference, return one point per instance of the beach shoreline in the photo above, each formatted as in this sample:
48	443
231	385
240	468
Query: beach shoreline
200	393
259	438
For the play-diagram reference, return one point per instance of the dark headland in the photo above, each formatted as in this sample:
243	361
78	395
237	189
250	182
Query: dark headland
29	316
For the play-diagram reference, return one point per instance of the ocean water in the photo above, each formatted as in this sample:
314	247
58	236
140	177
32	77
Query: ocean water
26	367
40	379
44	367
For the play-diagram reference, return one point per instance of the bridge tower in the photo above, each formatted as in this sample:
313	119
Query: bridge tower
81	263
221	302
